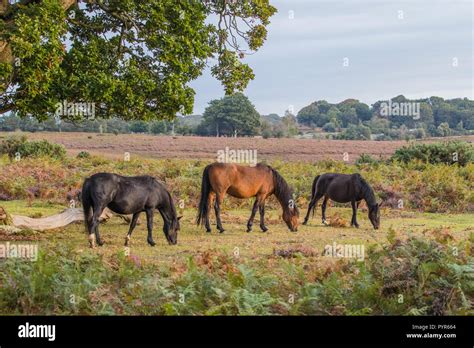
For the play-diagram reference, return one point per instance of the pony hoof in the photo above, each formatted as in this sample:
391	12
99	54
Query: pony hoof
249	230
325	223
305	222
100	242
221	231
264	229
208	231
152	243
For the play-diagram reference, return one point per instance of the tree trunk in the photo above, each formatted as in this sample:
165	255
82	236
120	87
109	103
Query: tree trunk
60	220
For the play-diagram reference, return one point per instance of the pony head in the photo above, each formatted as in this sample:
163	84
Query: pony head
374	215
171	231
290	216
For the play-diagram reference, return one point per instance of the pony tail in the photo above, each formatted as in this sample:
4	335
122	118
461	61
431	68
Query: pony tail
203	209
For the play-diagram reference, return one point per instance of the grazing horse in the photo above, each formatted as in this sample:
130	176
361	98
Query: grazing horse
344	188
260	182
128	195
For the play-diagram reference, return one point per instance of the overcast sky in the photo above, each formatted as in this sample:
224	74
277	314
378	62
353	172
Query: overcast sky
392	47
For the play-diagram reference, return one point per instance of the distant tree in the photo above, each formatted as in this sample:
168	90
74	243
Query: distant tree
355	133
329	127
313	116
444	129
159	127
348	116
363	112
274	118
290	122
266	129
9	123
232	115
420	133
334	116
139	127
460	126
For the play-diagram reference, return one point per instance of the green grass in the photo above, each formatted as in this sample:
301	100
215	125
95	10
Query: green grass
238	273
193	240
424	257
22	207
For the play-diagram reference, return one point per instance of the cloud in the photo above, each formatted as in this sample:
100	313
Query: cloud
389	52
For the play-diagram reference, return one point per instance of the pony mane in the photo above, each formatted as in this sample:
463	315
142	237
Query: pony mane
282	190
174	215
367	191
172	209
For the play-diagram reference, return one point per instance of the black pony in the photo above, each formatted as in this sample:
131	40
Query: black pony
128	195
344	188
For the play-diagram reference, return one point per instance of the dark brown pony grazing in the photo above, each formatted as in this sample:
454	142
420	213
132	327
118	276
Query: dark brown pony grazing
238	181
343	188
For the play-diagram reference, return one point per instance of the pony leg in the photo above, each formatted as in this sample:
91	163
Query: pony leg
252	215
323	210
217	209
354	214
262	216
149	225
95	226
132	226
207	223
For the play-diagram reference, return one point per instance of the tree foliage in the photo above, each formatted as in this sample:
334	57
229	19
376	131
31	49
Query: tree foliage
133	59
437	117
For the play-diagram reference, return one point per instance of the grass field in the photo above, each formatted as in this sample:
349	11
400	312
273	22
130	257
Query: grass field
419	262
239	273
249	246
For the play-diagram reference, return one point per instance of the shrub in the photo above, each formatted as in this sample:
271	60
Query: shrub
329	127
448	152
83	154
366	159
19	145
42	148
11	145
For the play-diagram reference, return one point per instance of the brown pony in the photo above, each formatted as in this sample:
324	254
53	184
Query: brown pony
260	182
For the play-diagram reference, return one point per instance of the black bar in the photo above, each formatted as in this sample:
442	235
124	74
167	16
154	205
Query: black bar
241	330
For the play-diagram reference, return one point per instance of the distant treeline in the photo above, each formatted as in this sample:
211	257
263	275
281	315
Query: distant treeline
398	118
394	119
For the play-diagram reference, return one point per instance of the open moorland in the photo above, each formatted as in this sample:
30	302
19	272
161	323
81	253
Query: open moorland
419	262
193	147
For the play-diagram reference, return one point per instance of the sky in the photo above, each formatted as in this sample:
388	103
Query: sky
363	49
